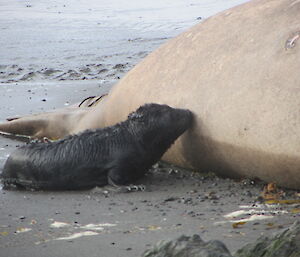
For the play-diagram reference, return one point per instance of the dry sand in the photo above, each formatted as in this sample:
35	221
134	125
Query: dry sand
56	53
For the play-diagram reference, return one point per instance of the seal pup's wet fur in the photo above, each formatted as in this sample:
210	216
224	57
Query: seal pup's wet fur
117	155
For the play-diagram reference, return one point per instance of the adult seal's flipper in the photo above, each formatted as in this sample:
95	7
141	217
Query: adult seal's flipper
53	125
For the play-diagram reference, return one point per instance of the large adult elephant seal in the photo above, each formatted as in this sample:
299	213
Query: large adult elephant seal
238	72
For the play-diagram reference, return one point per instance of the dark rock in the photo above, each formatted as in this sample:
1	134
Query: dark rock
284	244
186	246
171	199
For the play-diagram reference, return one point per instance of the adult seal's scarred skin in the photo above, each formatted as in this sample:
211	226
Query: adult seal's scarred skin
118	155
238	72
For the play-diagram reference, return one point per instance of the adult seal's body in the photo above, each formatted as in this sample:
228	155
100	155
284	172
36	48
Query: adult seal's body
118	155
238	72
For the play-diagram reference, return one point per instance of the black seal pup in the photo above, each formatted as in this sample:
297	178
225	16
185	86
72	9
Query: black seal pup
116	155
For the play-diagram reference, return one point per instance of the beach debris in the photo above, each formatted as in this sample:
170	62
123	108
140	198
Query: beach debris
271	192
58	224
153	228
33	222
78	235
77	230
252	213
288	201
243	221
273	195
97	227
22	230
295	210
238	224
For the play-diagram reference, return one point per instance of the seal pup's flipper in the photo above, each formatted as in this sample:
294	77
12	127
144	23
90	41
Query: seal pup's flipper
125	188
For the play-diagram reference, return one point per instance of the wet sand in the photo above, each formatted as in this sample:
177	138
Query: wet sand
56	54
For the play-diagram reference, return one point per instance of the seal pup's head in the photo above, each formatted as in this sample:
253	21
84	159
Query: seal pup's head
150	131
158	125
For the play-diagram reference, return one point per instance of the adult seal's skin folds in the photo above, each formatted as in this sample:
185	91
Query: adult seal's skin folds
118	155
238	72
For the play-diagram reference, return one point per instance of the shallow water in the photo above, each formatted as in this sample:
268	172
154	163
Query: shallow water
66	40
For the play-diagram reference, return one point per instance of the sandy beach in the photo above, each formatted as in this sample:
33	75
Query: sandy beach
54	54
